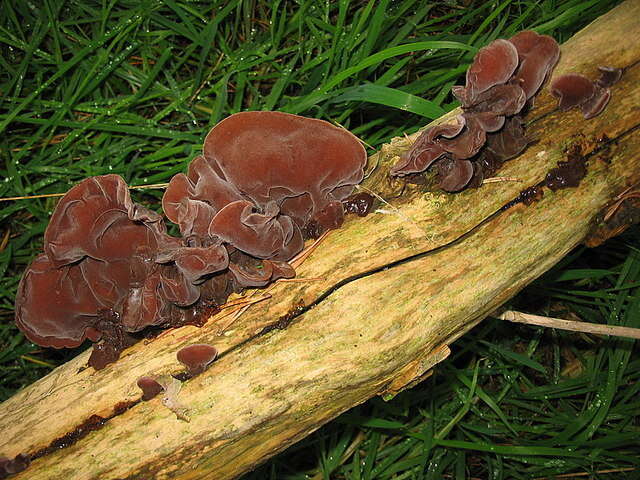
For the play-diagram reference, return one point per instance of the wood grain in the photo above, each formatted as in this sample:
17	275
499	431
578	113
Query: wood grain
395	289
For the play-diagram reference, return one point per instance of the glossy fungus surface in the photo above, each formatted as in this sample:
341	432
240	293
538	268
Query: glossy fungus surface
537	55
360	204
504	76
264	178
197	357
99	263
149	386
301	164
574	90
110	270
566	175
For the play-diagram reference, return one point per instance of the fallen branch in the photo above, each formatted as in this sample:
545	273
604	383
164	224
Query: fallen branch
574	326
390	299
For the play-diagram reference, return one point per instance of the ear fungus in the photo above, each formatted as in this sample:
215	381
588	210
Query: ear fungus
100	259
263	179
60	320
242	207
537	55
149	386
301	164
455	174
197	357
504	75
98	219
492	65
575	90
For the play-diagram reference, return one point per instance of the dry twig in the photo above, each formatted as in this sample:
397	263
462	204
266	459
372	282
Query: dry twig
574	326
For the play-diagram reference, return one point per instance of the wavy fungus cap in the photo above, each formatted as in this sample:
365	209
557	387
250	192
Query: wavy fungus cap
192	200
537	54
503	77
110	269
492	65
55	306
302	164
98	219
575	90
98	274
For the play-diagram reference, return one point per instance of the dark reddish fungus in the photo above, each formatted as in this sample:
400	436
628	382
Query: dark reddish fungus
454	173
575	90
530	195
503	78
197	357
360	204
301	164
493	65
110	270
566	175
149	386
11	467
102	262
261	198
608	76
537	55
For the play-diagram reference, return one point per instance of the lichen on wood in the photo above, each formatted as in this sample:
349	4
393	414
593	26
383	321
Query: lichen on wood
384	295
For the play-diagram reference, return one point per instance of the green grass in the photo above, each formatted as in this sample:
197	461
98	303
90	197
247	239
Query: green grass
131	87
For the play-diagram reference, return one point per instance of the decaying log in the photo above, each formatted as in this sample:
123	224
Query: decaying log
383	298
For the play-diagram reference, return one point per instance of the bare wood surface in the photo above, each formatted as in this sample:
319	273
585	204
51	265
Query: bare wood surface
370	330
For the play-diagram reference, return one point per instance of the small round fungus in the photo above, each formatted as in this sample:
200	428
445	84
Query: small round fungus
360	204
572	90
150	387
197	357
455	174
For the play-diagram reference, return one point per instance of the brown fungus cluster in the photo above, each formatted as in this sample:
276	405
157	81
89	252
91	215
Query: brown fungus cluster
109	268
99	276
500	85
502	80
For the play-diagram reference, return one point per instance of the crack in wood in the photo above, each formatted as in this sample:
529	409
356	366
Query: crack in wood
295	314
